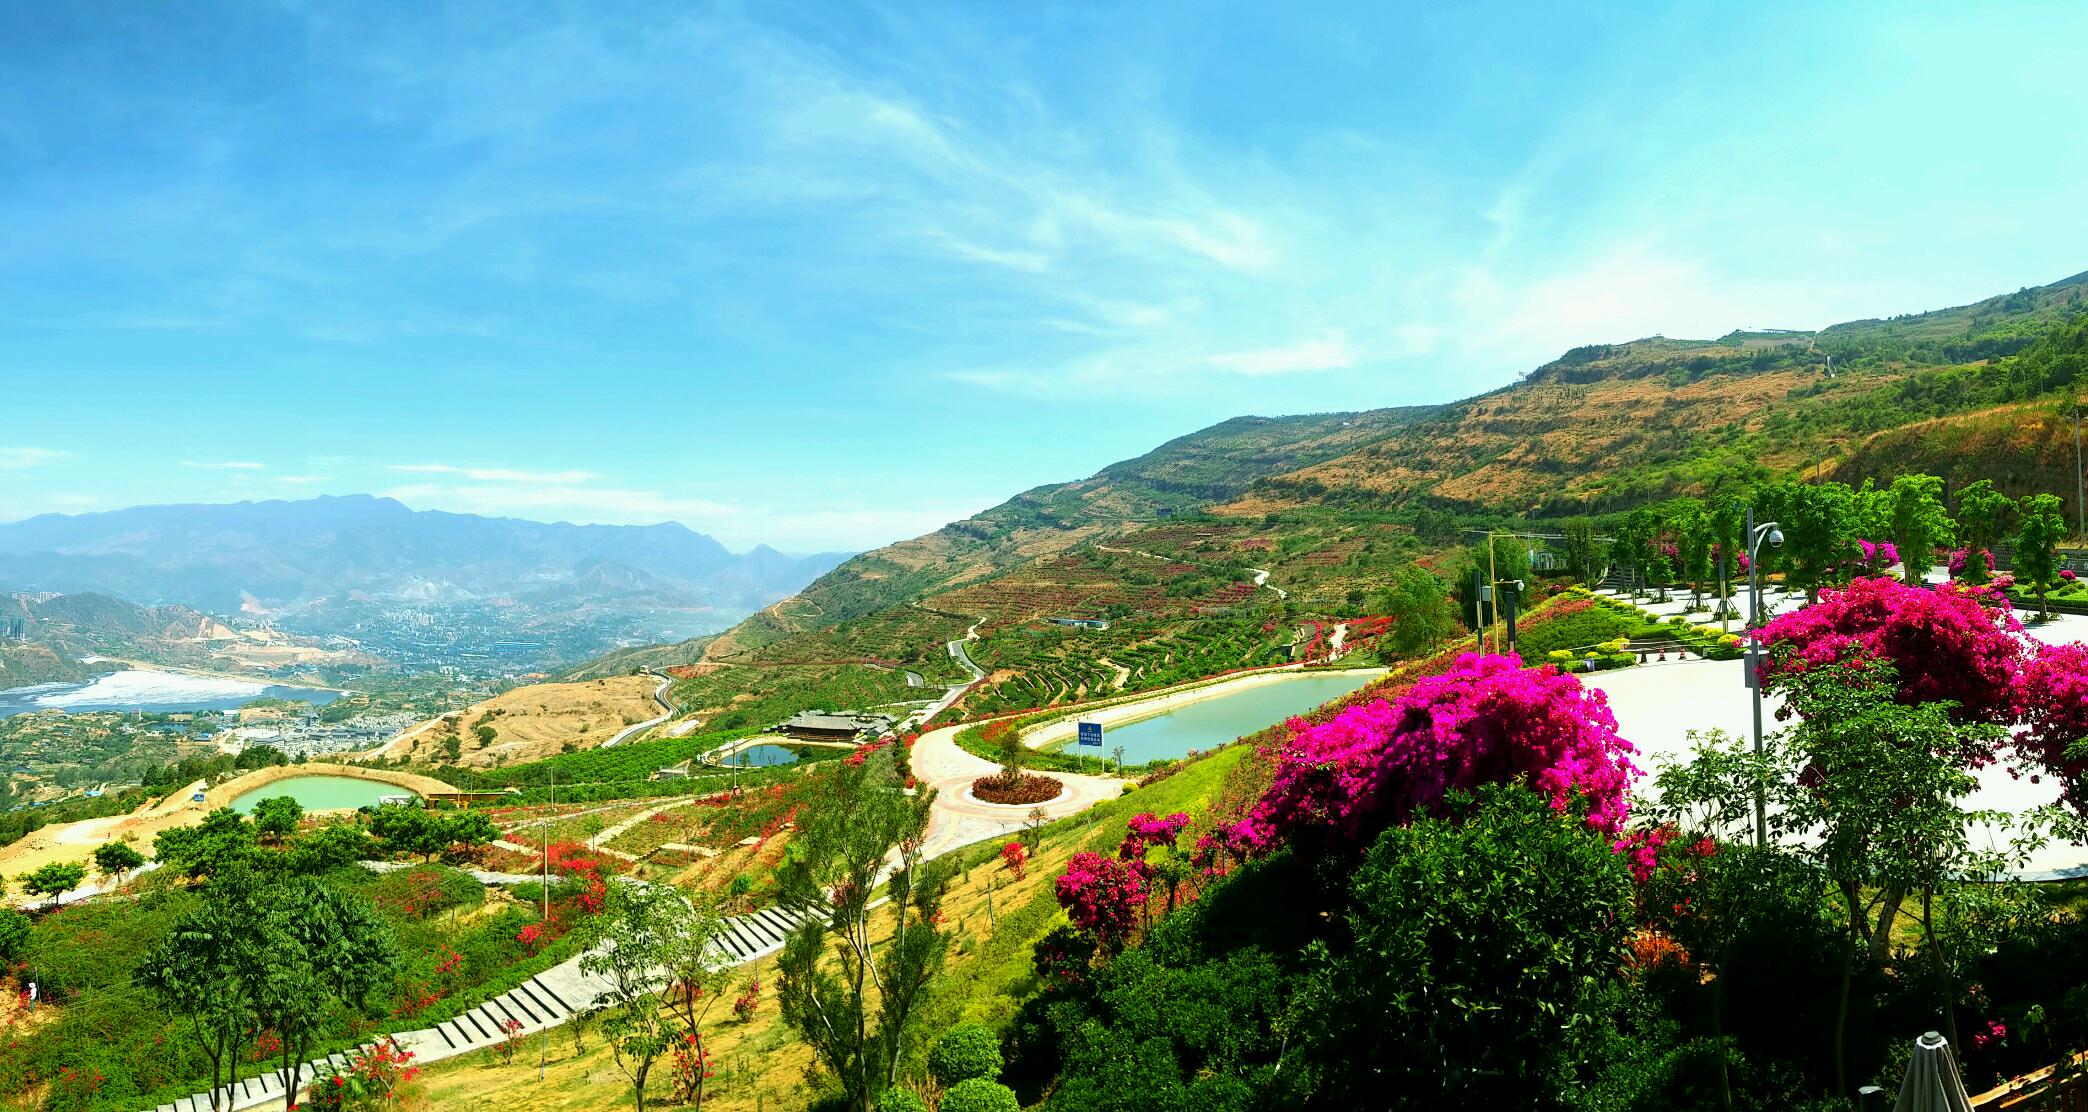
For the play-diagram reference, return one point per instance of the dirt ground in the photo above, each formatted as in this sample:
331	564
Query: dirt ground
534	722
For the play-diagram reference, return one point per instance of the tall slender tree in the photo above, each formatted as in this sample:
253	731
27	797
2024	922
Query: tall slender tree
1919	523
858	1010
2037	546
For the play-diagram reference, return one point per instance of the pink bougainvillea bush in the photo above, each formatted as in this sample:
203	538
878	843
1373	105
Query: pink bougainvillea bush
1339	783
1954	642
1104	896
2052	704
1973	565
1146	831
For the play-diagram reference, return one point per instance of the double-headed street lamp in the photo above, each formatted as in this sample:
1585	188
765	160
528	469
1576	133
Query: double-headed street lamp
1756	534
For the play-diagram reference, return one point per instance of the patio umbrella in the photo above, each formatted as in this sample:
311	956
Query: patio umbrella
1932	1083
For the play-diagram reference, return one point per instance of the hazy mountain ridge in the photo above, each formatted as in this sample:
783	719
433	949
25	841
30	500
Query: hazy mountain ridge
280	554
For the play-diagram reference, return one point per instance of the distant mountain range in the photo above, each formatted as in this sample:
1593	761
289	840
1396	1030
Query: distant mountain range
324	564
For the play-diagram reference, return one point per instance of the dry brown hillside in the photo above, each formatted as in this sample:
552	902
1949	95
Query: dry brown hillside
2026	448
531	723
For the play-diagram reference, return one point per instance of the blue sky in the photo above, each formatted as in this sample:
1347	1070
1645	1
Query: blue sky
827	276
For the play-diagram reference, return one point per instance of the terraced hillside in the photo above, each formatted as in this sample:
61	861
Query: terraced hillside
1166	546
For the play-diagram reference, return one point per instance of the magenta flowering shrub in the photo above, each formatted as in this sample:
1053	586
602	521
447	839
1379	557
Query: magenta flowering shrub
2067	574
1954	642
2052	705
1877	556
1146	831
1971	564
1487	720
1641	848
1104	896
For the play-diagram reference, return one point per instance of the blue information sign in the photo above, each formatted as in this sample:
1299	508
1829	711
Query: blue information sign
1091	734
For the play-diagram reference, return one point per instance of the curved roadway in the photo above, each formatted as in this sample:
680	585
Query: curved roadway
666	711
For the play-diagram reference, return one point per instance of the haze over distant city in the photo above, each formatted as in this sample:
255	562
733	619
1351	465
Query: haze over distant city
824	281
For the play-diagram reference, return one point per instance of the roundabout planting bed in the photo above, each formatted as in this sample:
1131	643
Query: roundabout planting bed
1024	791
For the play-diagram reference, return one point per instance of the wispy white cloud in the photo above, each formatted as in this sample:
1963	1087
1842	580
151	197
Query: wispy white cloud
1322	354
496	474
16	458
302	480
224	465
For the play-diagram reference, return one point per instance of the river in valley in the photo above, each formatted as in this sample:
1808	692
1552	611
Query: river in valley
146	689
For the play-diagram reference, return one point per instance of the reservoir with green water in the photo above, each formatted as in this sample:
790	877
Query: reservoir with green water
1212	722
761	756
321	793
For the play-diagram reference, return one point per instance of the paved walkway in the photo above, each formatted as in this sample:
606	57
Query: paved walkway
960	820
1658	704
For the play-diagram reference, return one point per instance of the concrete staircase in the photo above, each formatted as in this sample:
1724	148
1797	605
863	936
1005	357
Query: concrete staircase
544	1001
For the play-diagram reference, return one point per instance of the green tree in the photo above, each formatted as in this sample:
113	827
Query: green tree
1920	525
276	817
1872	789
206	971
1586	554
115	860
1818	522
1983	514
325	957
644	928
410	830
14	934
1423	615
1634	539
223	839
1435	526
328	847
2037	543
1013	753
54	880
469	828
1690	526
1483	945
857	1007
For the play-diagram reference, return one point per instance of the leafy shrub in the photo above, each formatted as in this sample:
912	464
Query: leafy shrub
964	1052
980	1095
902	1100
14	934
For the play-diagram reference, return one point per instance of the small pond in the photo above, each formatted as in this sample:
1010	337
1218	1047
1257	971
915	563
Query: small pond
1210	723
761	756
321	793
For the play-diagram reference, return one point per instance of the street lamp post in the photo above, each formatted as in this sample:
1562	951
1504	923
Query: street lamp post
1755	535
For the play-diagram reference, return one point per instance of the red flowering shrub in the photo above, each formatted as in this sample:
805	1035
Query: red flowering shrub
1013	855
1103	896
1956	643
2051	700
744	1004
370	1079
691	1067
1486	720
